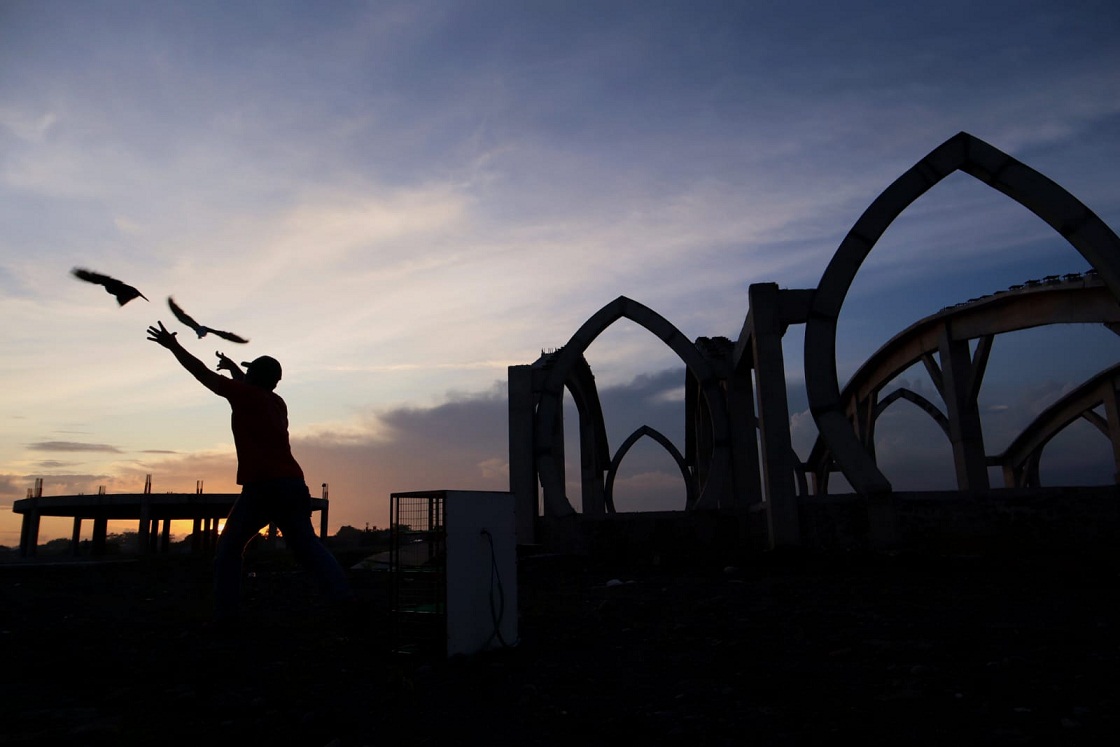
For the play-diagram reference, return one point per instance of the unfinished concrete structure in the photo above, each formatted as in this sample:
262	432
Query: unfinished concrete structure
153	513
946	336
738	461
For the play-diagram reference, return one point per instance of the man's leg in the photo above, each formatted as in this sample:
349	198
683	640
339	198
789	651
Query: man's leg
293	518
245	520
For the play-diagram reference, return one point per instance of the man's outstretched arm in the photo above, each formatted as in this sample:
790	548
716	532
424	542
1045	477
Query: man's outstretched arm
209	379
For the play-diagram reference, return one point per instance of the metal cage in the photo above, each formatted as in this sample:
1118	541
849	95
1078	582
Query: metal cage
418	567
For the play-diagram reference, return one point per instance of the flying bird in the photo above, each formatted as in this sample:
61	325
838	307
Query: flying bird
122	291
200	330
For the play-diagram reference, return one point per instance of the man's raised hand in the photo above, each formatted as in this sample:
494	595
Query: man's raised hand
161	336
225	363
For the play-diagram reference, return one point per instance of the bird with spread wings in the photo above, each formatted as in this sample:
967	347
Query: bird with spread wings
199	329
123	291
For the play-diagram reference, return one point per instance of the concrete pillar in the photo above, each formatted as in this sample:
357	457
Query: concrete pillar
559	448
29	532
144	529
959	390
698	424
743	422
591	475
865	423
773	414
522	466
554	481
76	536
165	537
196	537
100	535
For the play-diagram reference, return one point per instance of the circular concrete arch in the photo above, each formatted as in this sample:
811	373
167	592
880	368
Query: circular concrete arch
555	502
1078	224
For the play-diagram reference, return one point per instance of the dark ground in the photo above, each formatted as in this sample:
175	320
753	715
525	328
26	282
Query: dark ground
787	649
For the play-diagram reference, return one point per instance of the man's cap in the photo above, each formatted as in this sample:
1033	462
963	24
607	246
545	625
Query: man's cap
266	367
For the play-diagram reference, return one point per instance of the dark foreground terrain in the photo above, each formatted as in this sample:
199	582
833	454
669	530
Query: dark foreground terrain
875	649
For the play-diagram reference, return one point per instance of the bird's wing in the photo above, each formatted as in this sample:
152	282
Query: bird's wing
228	336
181	315
91	277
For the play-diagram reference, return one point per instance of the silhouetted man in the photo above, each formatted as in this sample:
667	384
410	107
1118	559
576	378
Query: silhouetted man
273	490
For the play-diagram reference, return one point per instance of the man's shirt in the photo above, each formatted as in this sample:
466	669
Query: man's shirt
260	433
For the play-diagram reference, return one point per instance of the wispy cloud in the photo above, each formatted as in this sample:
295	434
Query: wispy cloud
73	446
31	129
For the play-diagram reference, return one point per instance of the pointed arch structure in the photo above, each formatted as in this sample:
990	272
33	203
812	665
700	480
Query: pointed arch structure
738	454
548	439
963	152
1020	460
674	452
921	402
1075	299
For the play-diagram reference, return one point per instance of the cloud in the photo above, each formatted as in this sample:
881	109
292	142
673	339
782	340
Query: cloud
127	226
13	485
803	432
62	484
494	468
72	446
463	444
31	128
180	472
52	464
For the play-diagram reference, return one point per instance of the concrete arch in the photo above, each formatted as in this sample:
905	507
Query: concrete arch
549	403
1021	457
923	404
1081	300
963	152
594	450
820	464
1077	299
656	435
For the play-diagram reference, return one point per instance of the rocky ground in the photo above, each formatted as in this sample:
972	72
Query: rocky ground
787	649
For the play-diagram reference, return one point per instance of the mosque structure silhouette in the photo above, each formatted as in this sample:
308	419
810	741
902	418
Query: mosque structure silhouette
745	487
